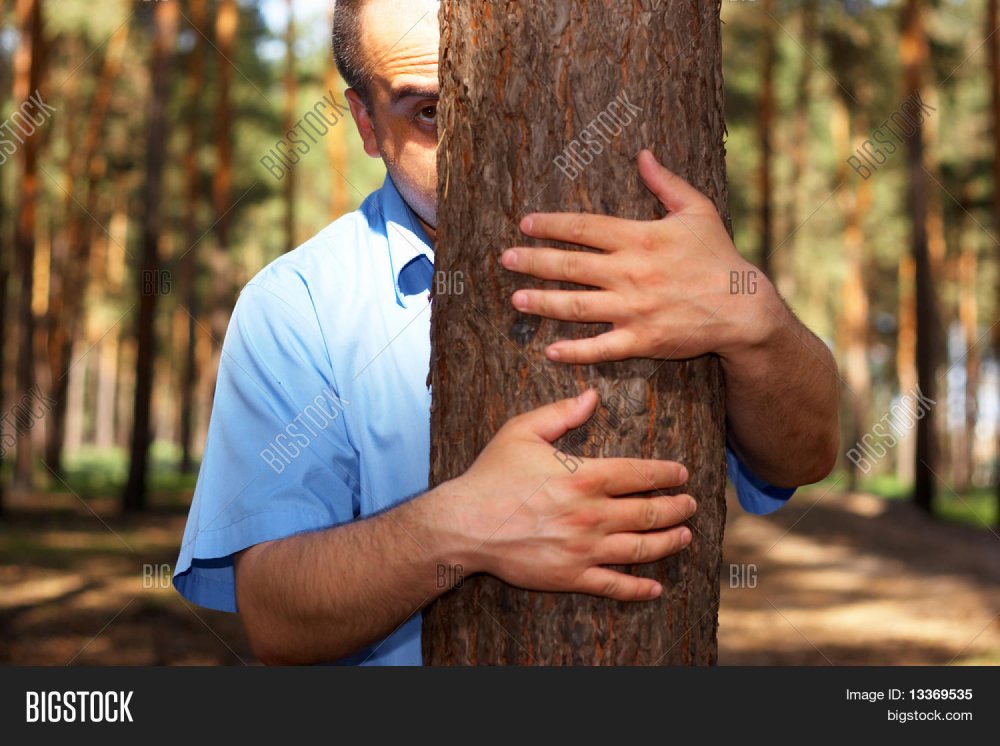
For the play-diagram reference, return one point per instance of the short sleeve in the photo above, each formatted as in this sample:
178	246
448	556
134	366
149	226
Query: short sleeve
755	495
278	460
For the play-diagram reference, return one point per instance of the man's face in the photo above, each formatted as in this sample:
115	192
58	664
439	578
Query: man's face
400	41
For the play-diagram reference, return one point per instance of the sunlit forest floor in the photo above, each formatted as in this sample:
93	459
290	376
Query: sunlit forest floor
833	578
855	579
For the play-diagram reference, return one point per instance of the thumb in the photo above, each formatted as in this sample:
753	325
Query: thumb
554	420
673	192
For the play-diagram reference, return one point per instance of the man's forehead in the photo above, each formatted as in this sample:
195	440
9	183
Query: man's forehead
401	38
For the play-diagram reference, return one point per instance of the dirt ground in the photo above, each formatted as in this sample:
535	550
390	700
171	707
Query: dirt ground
850	579
832	579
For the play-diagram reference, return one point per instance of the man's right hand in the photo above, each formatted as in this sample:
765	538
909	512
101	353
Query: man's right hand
520	515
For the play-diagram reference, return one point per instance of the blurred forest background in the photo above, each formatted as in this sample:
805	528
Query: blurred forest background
146	177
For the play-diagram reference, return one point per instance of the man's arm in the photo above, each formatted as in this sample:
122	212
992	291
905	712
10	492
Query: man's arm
317	597
676	289
782	398
320	596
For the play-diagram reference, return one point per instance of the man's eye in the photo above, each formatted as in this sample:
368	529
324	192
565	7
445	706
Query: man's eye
428	115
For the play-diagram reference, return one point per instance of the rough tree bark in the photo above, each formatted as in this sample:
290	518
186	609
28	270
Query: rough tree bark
166	16
520	82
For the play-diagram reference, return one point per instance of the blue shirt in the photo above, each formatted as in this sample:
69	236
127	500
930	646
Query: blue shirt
322	409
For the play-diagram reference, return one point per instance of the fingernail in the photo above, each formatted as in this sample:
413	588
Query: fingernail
683	476
526	224
693	504
509	258
520	300
685	536
553	353
657	591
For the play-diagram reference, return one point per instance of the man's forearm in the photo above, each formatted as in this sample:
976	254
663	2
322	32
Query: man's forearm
320	596
782	401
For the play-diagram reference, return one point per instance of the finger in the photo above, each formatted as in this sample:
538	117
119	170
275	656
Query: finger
554	420
618	344
639	549
649	513
673	192
625	476
567	265
600	581
596	231
569	305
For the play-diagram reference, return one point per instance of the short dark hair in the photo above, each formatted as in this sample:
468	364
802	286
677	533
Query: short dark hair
347	48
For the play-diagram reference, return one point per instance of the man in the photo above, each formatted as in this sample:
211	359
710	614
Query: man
312	514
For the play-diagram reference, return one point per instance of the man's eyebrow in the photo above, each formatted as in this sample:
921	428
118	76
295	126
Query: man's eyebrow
413	91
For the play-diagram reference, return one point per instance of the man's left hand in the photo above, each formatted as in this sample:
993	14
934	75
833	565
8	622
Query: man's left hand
674	288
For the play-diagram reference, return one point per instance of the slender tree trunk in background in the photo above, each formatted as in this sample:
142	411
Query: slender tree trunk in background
148	284
57	343
852	327
968	314
75	403
798	150
291	94
226	24
66	307
336	146
5	429
937	250
125	376
765	130
120	358
993	44
906	365
336	153
28	62
496	163
106	388
914	54
189	261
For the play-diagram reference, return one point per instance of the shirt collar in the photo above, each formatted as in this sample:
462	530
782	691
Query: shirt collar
406	237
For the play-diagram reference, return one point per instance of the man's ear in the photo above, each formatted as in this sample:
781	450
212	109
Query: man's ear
364	121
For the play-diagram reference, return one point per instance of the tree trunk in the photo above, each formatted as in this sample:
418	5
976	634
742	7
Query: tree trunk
291	94
914	52
5	252
798	150
106	388
5	428
71	278
906	366
28	61
765	131
148	285
853	323
336	151
189	261
963	456
496	161
226	25
993	43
